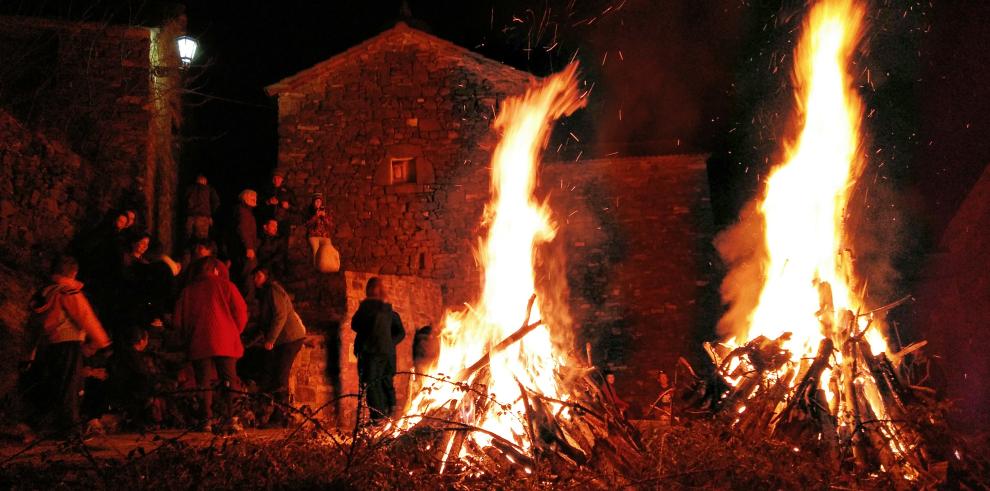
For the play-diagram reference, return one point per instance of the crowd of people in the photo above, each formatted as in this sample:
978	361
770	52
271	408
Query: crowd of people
124	329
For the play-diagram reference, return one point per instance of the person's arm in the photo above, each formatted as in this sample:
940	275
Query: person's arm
398	331
214	200
238	308
280	314
81	313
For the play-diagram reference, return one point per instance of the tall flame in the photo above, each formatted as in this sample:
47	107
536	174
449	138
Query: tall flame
804	205
517	224
809	293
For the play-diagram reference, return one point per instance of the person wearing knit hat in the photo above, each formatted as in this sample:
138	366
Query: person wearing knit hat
326	259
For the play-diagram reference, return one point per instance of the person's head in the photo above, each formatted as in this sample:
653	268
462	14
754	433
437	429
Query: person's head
208	266
140	244
663	378
65	266
120	220
138	339
270	227
201	248
131	217
260	277
317	201
610	377
201	179
249	197
375	289
277	179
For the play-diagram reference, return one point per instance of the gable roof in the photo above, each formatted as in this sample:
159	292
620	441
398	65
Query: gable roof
403	34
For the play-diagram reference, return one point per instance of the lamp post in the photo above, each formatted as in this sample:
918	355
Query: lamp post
187	47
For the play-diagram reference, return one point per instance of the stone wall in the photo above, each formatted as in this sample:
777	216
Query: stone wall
94	88
403	94
43	196
637	236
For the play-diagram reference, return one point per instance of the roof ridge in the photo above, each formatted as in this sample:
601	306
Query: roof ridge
400	27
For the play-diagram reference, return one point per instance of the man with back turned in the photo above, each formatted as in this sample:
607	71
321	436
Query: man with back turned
379	329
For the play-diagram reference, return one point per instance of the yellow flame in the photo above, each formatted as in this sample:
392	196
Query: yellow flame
517	223
806	198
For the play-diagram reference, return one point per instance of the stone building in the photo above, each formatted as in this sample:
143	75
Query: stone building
397	134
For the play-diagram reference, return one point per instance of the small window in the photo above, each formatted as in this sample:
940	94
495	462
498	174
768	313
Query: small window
403	170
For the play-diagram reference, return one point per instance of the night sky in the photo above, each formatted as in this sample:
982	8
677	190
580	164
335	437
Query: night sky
668	76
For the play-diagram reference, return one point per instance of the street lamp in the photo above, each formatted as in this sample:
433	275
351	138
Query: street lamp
187	49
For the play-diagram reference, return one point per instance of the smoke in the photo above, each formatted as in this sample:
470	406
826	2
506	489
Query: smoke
744	252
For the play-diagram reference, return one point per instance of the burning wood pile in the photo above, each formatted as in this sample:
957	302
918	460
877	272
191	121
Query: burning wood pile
504	391
804	361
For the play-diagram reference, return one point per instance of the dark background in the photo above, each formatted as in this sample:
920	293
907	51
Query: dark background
666	76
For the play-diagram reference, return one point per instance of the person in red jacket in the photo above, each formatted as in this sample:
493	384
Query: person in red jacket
212	313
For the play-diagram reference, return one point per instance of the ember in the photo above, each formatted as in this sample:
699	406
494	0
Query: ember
809	362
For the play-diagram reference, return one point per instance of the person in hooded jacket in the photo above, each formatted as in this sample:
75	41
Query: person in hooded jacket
212	314
62	329
378	330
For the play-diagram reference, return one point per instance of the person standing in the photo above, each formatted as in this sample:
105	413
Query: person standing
244	241
212	314
378	330
278	200
202	202
272	253
61	320
284	333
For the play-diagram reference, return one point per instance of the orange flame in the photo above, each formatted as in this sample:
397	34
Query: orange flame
804	204
516	225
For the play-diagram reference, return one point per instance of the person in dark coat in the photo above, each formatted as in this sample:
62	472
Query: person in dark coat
243	243
212	314
272	252
284	333
277	199
202	202
378	330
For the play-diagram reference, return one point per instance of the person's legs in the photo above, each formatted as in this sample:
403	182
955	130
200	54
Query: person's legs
201	227
283	356
375	391
66	382
227	372
314	244
388	385
205	374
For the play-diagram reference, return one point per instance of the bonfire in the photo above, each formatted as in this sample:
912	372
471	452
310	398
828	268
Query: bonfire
504	386
808	361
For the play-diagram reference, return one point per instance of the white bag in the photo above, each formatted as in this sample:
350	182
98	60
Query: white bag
327	258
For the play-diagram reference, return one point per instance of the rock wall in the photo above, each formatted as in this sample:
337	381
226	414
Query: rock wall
637	236
43	196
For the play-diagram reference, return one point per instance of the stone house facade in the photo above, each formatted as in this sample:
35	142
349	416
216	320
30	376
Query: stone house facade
397	135
396	132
